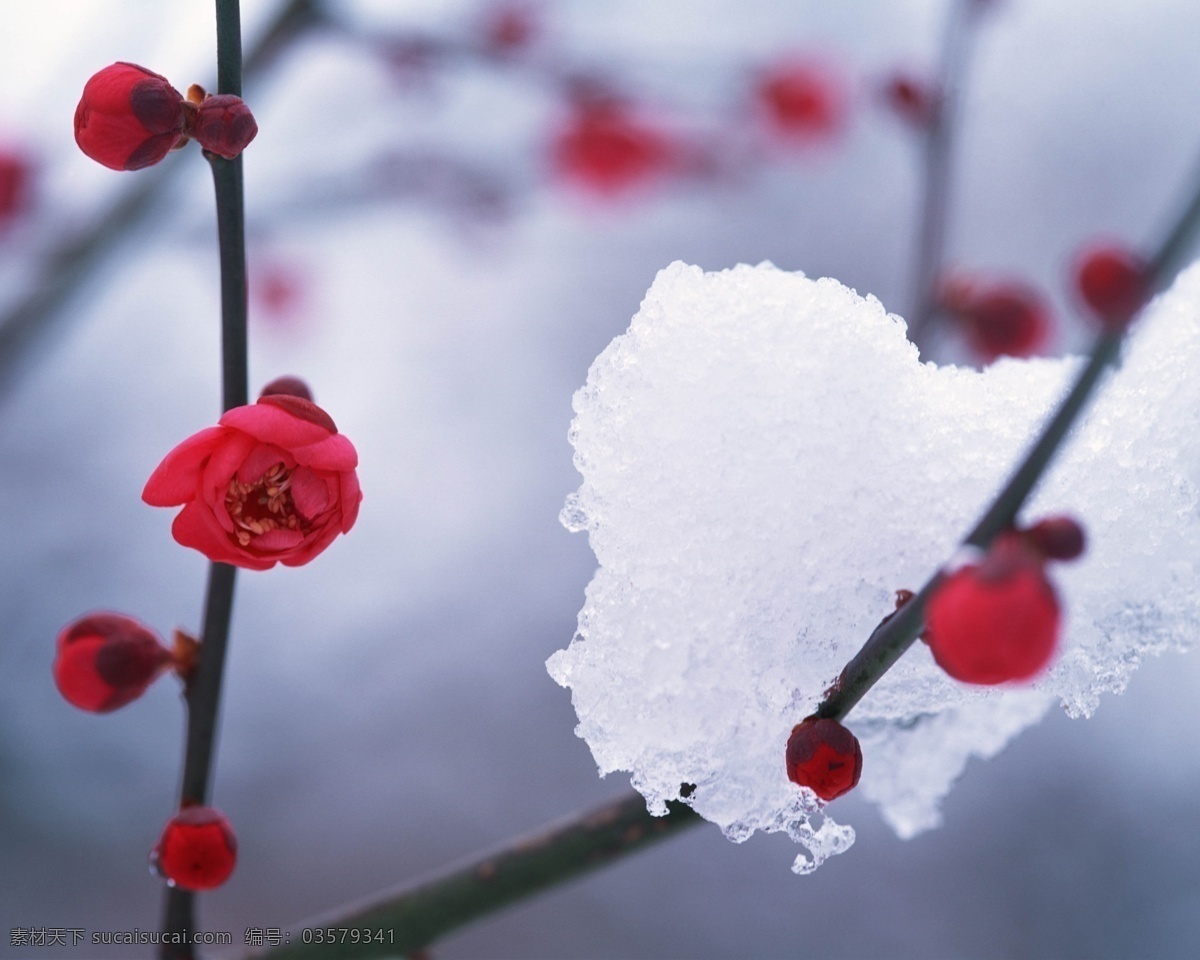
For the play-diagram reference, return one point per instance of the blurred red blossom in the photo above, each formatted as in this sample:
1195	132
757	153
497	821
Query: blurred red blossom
605	149
802	100
278	290
16	175
910	98
1111	280
509	27
997	317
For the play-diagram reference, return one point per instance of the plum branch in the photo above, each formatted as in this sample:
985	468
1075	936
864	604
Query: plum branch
203	694
421	912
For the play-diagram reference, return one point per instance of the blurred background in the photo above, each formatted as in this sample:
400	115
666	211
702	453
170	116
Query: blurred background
453	206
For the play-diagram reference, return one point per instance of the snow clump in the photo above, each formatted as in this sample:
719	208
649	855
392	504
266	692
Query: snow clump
765	460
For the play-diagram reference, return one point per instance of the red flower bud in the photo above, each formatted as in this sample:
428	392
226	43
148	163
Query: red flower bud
106	660
824	756
1112	282
197	849
996	620
223	125
802	101
912	99
289	386
128	117
273	482
605	150
1057	538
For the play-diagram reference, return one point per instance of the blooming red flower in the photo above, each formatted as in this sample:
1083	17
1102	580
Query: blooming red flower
128	117
824	756
273	482
603	148
223	125
106	660
197	849
1001	318
996	620
802	100
1112	282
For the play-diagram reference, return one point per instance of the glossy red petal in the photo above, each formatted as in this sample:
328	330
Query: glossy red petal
198	528
260	458
298	405
335	453
351	498
270	423
223	465
176	479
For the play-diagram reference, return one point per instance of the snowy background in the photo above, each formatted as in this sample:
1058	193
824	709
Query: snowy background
387	708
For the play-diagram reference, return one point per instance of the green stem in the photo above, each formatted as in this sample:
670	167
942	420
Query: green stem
417	914
204	691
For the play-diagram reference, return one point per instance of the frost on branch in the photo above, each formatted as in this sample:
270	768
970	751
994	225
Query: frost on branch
766	459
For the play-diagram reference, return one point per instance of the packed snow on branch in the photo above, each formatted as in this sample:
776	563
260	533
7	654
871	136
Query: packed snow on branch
766	460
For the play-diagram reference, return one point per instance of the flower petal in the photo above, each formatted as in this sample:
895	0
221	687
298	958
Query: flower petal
272	424
260	459
196	527
177	478
223	464
334	452
309	493
276	541
351	498
316	542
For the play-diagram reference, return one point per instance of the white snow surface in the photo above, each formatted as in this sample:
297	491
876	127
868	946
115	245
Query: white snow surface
765	460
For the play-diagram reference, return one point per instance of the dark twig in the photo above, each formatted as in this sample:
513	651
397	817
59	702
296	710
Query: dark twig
417	914
897	633
203	700
936	167
204	692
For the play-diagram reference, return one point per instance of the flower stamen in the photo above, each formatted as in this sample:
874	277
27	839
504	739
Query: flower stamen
262	506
